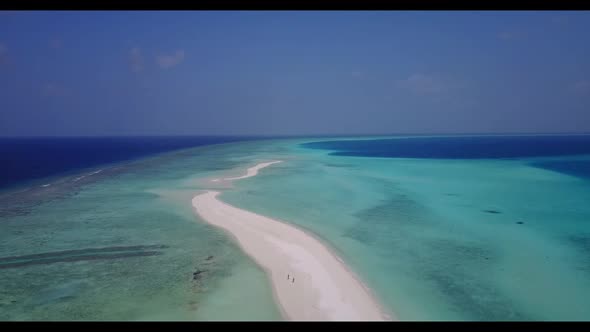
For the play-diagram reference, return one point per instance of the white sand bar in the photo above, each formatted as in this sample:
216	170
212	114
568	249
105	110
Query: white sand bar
252	171
309	281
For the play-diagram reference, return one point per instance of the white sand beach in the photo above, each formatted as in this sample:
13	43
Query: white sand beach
309	281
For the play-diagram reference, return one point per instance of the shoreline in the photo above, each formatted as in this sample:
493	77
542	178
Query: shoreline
309	281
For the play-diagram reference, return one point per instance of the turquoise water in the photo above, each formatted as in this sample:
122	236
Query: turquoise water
145	203
435	239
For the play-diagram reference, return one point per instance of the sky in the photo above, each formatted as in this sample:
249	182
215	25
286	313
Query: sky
293	72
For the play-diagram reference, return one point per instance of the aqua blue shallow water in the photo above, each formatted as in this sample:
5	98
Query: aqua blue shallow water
144	207
436	239
444	239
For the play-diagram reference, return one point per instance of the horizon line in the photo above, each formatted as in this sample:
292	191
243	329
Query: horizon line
303	135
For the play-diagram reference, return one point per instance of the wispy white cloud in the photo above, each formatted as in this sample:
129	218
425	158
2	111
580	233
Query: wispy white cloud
582	87
512	34
52	90
357	74
422	84
136	60
55	43
169	61
560	19
523	32
3	54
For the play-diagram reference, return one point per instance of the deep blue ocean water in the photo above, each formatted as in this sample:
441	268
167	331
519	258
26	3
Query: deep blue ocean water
579	168
473	147
26	159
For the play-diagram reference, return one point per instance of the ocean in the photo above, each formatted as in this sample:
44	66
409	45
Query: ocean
441	228
31	158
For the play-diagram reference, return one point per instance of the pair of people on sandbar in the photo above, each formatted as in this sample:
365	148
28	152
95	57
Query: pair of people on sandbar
289	278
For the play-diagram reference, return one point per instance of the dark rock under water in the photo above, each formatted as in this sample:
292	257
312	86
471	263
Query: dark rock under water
197	274
77	255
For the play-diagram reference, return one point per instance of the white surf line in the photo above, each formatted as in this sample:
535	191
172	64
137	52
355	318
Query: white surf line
309	281
96	172
79	178
83	176
252	171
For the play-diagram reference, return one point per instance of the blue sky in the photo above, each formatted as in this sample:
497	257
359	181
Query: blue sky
274	73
